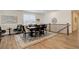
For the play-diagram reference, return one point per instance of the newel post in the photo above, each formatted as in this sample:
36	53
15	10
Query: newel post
67	28
49	27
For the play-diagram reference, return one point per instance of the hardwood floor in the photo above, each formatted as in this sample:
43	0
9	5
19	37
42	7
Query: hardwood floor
8	42
59	41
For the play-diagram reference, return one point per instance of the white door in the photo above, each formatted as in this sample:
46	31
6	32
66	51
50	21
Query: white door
75	22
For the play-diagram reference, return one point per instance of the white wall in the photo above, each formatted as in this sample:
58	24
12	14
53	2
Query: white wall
63	17
39	16
18	14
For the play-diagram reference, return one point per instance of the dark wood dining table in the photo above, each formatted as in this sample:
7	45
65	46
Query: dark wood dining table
32	30
37	28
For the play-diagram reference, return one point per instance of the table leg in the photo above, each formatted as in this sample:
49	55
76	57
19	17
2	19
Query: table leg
9	32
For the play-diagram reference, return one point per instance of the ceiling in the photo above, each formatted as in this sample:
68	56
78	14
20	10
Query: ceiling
38	11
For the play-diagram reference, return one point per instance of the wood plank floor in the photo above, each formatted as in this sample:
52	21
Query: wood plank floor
8	42
59	41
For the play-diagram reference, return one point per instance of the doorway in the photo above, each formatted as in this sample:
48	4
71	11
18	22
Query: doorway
75	18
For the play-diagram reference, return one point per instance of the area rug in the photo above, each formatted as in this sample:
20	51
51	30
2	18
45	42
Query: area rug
23	42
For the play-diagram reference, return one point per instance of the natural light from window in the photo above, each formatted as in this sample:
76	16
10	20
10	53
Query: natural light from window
29	19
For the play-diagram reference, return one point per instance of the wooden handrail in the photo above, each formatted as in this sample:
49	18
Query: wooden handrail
67	26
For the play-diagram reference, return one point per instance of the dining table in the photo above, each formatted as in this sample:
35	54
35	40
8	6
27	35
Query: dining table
32	30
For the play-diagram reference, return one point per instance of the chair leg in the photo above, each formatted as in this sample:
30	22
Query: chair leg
0	38
35	34
46	32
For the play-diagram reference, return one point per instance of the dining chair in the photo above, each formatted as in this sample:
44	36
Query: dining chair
1	33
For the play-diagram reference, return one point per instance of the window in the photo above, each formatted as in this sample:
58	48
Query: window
29	19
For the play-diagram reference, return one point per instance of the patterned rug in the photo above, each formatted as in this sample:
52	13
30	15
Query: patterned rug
26	41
